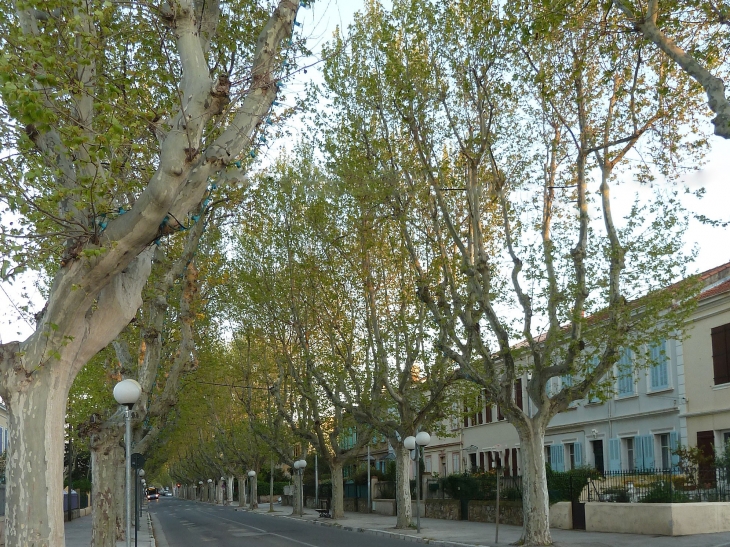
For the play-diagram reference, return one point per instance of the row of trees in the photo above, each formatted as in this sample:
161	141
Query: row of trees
463	171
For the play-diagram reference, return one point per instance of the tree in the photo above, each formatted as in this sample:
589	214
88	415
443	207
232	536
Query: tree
488	134
115	148
693	35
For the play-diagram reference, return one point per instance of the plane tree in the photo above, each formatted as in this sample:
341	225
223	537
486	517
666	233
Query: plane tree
117	115
497	144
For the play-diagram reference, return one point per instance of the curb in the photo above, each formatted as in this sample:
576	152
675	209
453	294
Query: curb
383	533
153	543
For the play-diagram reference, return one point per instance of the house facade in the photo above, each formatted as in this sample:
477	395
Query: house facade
706	415
683	398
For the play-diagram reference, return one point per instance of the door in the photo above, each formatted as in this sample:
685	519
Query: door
706	444
598	456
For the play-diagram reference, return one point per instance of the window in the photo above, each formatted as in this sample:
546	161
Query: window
427	464
489	414
455	462
630	453
571	455
665	451
591	365
625	366
659	371
721	353
547	456
518	393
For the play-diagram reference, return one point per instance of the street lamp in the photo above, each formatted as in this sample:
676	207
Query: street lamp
223	491
415	445
200	485
127	392
210	481
251	479
299	465
137	503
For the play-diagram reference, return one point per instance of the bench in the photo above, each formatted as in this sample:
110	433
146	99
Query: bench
324	509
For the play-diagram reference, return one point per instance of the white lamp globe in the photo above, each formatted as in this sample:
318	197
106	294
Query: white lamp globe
423	438
410	443
252	473
296	464
302	463
223	478
141	472
200	482
210	480
127	392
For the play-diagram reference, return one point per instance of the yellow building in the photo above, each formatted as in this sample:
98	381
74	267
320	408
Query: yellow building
706	355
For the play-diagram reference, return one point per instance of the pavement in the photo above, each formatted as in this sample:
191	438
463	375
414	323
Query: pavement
446	533
78	532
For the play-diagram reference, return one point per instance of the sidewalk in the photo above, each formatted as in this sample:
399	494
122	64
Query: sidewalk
78	532
457	533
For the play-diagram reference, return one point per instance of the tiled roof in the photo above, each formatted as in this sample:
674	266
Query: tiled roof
715	290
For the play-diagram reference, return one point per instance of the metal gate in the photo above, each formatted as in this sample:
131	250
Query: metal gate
579	515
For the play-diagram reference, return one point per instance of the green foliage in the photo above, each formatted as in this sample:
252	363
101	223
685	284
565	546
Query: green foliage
568	485
664	492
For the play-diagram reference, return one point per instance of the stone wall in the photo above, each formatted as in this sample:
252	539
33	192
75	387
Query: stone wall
443	509
510	512
384	507
356	505
666	519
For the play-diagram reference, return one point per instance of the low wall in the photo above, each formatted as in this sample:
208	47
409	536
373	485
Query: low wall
384	507
356	505
510	512
561	515
665	519
443	509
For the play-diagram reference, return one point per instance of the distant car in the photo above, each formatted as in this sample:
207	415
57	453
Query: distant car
168	494
152	494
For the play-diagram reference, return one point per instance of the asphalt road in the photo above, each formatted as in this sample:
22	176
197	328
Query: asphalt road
181	523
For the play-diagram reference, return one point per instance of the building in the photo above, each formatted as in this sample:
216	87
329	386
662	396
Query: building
683	398
705	416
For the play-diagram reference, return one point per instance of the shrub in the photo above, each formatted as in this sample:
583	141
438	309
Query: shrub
664	492
568	485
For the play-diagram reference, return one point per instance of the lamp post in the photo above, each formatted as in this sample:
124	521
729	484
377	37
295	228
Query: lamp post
415	445
200	486
251	478
137	503
127	392
299	465
210	481
224	499
498	468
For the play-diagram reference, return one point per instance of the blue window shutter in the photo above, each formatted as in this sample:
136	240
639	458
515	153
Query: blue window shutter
625	373
638	452
557	457
649	452
660	366
673	443
614	454
578	454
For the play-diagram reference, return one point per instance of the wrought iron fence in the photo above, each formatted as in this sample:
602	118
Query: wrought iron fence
659	486
482	486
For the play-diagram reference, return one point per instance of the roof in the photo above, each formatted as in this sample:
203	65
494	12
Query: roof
717	281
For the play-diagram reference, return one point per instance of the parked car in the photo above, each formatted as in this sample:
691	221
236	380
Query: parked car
152	494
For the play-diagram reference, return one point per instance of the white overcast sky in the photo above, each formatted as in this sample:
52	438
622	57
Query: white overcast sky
318	24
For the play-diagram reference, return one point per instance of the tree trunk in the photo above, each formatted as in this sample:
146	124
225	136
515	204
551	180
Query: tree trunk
295	495
535	502
255	492
338	502
119	501
242	495
229	491
34	505
107	456
403	486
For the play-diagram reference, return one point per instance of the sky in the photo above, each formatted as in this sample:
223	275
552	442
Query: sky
318	24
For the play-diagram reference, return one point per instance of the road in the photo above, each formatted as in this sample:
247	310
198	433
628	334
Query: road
181	523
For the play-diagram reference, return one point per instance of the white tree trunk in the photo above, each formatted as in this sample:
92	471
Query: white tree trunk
229	491
338	502
403	487
535	501
242	493
107	456
34	505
